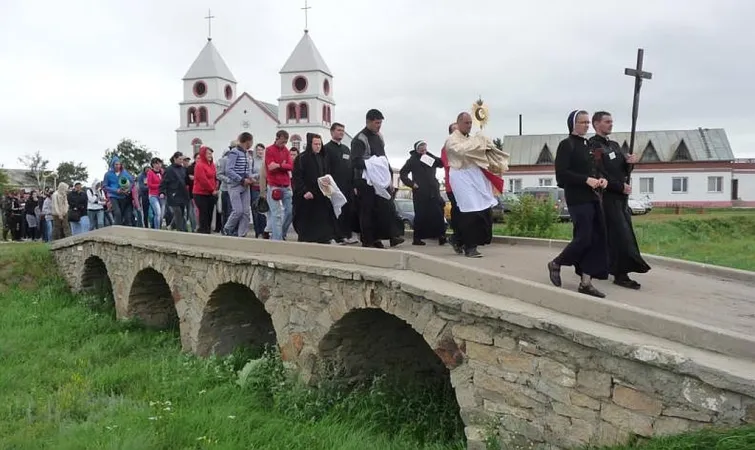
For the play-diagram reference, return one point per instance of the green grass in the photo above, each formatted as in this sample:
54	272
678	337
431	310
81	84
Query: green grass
723	237
73	378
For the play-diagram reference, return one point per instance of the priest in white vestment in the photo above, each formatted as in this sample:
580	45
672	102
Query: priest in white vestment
475	169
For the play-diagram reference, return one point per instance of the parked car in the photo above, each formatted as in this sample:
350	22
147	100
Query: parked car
637	206
405	210
505	202
554	194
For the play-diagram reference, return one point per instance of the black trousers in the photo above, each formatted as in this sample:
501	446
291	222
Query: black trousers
179	220
377	216
588	249
206	206
454	216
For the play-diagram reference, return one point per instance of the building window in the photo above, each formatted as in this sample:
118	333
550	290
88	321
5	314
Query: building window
202	114
192	115
515	185
326	87
715	184
296	141
300	84
649	154
647	185
679	184
200	89
545	182
228	92
303	111
681	153
291	112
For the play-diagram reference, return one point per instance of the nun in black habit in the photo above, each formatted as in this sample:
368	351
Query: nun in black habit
577	174
613	164
313	216
429	219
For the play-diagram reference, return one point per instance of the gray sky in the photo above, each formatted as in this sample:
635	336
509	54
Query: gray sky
77	76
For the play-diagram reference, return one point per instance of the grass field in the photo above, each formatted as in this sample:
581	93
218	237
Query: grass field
724	237
73	378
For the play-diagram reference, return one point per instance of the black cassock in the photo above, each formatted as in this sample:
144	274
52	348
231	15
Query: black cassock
314	220
429	222
624	253
339	159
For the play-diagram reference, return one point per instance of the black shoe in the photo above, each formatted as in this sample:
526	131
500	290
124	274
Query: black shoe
442	240
396	241
458	248
418	243
626	282
378	244
472	252
589	289
554	273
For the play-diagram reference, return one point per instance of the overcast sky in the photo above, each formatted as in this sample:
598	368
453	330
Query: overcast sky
77	76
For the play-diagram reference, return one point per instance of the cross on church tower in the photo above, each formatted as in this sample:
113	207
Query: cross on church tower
306	16
209	24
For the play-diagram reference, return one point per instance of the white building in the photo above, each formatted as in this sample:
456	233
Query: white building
677	167
213	113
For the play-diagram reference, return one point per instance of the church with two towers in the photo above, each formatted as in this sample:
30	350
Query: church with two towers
214	113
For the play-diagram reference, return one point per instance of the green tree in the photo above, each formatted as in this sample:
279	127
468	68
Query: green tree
133	155
69	172
498	142
37	167
4	180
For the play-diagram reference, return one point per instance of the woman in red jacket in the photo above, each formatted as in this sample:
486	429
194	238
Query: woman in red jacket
205	188
156	200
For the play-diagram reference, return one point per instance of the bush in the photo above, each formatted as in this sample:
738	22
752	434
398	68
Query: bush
532	217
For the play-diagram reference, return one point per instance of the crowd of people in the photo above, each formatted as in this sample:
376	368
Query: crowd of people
332	193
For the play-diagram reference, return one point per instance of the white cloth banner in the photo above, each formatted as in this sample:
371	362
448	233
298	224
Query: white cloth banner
378	175
331	190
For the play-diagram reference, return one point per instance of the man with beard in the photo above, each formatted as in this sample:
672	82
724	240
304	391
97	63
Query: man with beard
377	212
339	158
613	164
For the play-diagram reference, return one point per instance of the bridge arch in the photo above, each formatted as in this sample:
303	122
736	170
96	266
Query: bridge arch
150	300
234	317
368	343
95	281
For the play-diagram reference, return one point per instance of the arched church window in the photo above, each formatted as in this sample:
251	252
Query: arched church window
304	111
326	87
330	118
291	112
202	114
200	89
300	84
324	114
228	92
192	115
296	141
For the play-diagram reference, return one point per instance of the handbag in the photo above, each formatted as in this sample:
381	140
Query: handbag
261	205
74	215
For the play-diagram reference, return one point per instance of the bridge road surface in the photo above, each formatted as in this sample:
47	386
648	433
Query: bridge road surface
724	303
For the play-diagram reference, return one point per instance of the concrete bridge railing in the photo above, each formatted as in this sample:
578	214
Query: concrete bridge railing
547	377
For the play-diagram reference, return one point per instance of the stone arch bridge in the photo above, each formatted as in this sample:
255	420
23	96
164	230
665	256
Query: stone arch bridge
575	372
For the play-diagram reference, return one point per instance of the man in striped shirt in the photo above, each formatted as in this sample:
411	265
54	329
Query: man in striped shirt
238	172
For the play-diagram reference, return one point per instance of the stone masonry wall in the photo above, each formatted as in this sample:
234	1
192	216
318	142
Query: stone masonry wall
522	379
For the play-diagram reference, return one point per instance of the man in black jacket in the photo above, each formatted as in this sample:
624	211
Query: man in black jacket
173	186
614	165
339	157
377	215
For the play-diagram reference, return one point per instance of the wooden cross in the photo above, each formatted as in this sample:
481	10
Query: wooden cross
306	16
209	24
638	75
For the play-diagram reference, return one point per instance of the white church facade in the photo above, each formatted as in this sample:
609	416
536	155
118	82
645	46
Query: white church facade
692	168
214	113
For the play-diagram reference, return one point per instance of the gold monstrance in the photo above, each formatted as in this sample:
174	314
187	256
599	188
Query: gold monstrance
480	113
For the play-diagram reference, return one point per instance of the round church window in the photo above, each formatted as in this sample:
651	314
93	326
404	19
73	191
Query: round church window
326	87
300	84
228	92
200	89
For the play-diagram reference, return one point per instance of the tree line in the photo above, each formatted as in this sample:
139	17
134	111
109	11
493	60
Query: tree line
40	174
